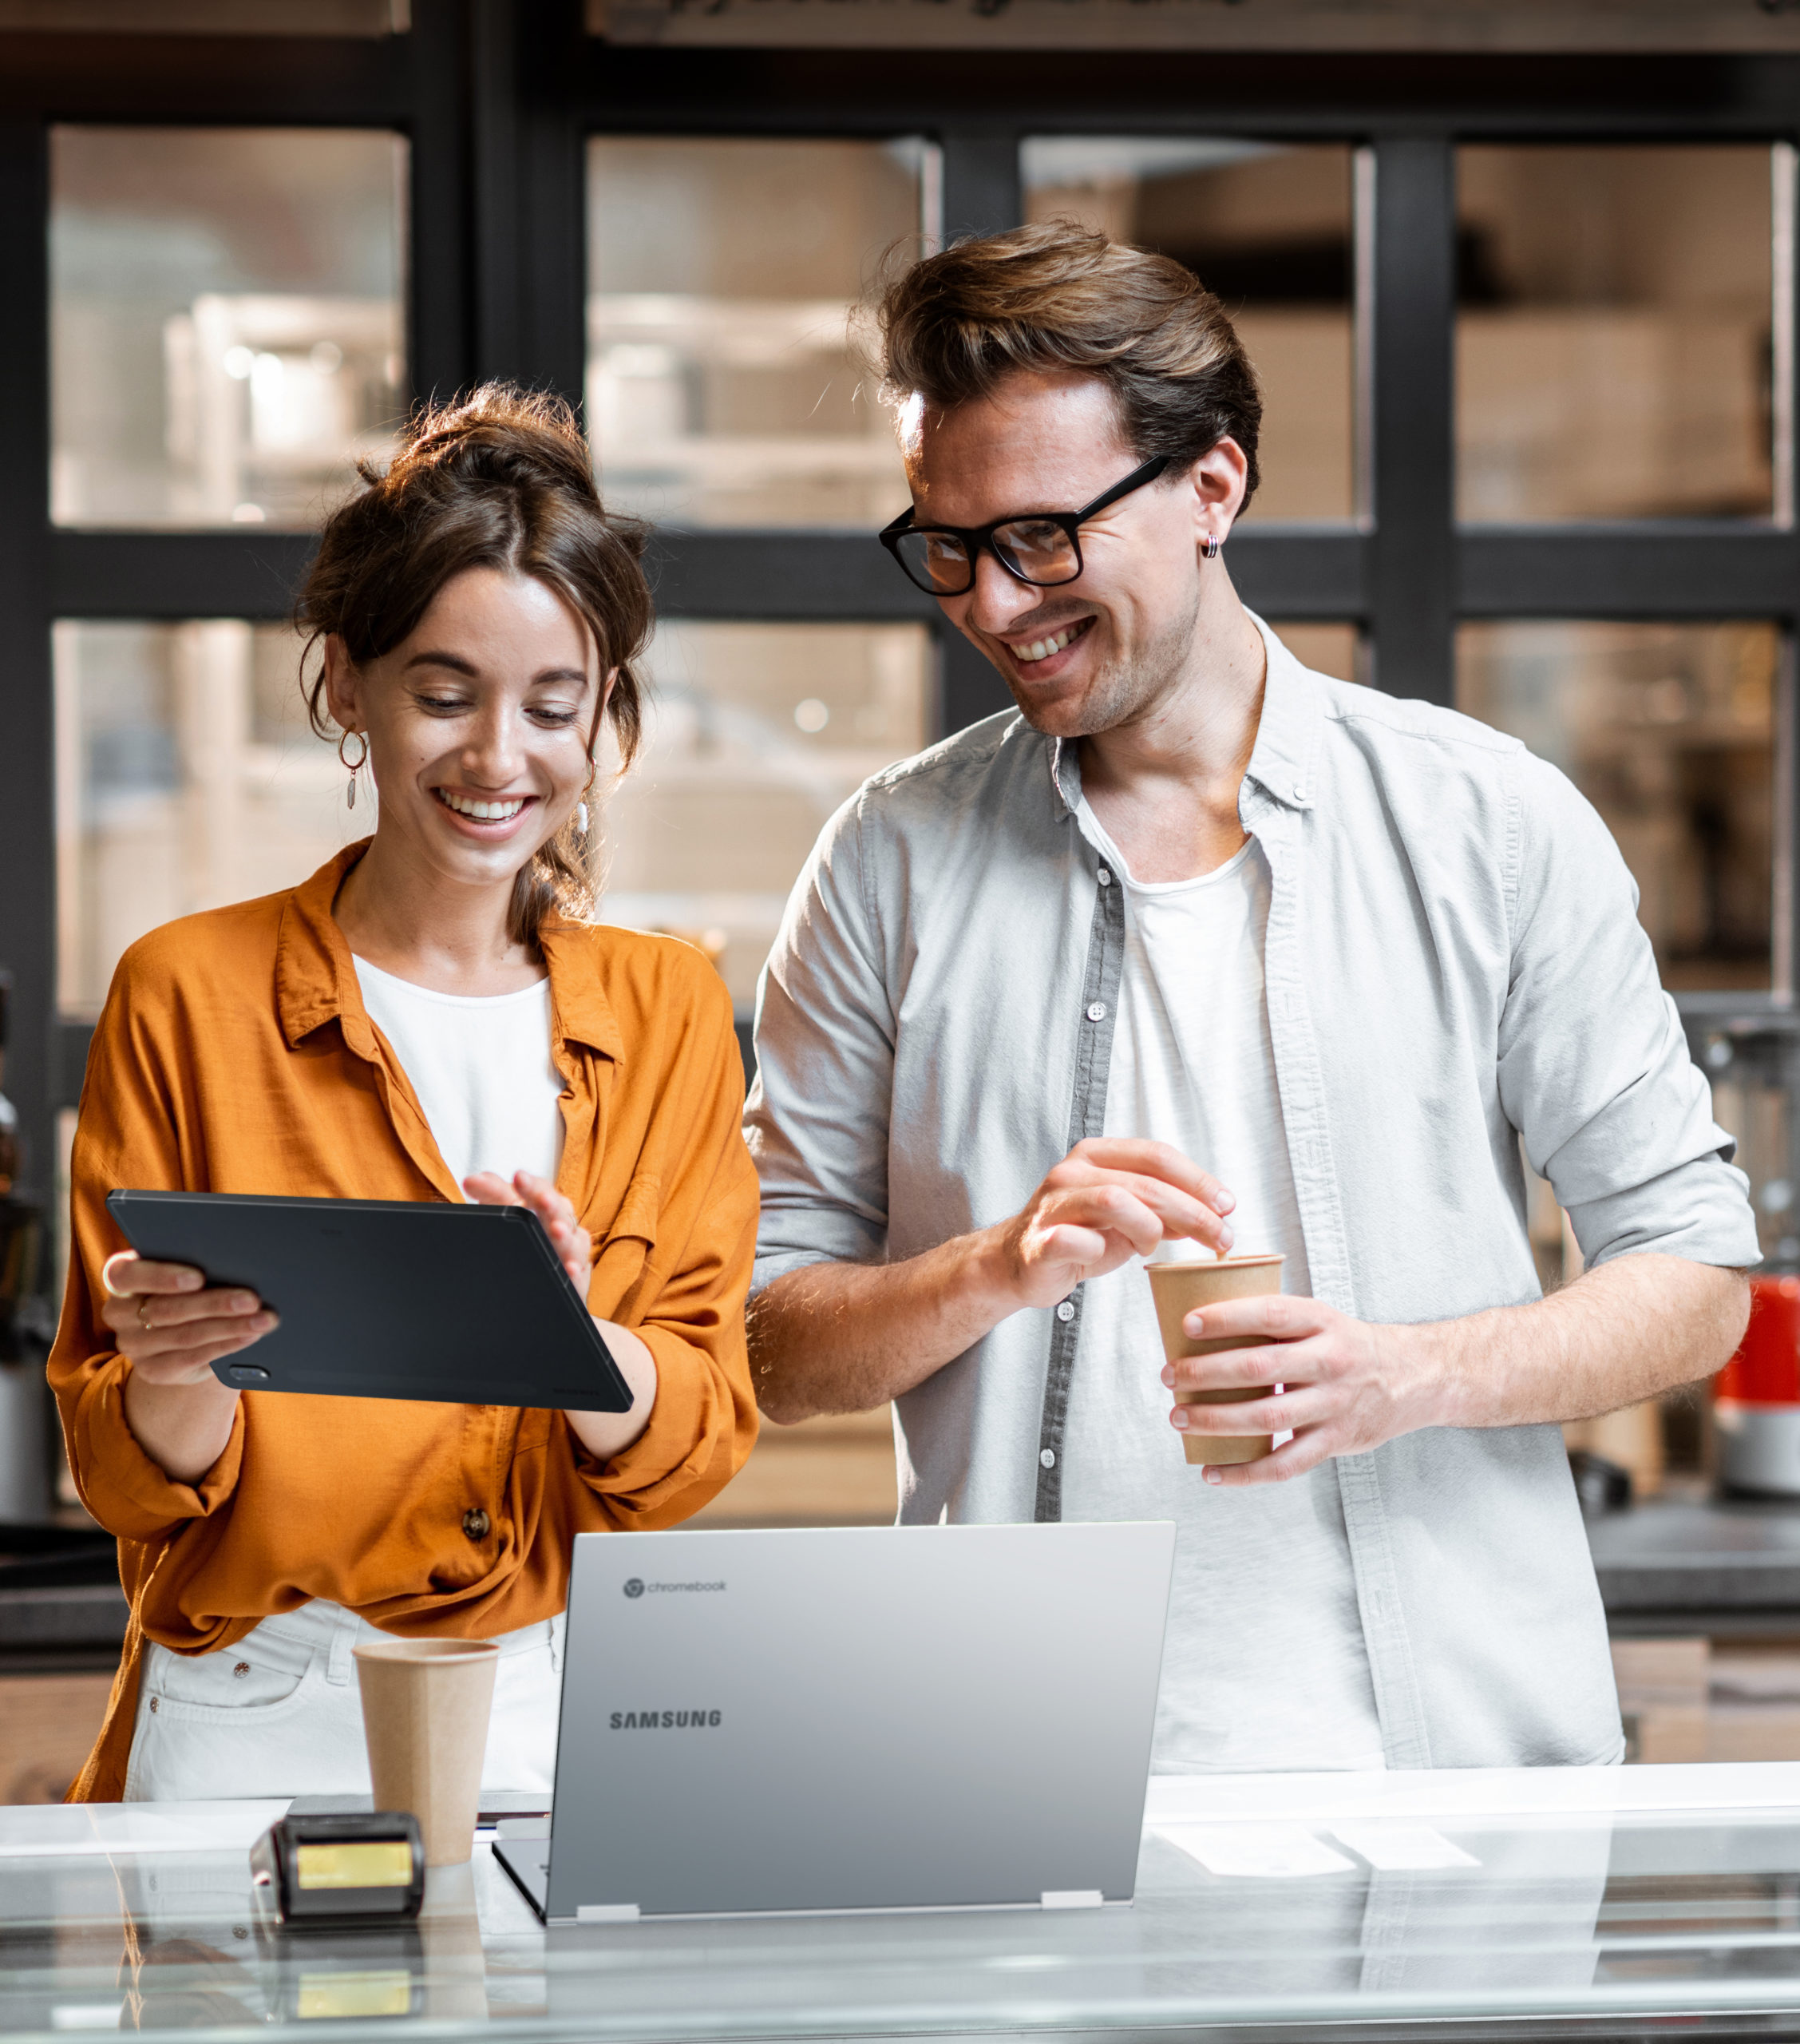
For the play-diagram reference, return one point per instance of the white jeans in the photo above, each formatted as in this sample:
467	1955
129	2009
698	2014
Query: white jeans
279	1714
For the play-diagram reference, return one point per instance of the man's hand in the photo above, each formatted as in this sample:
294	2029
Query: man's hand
1628	1329
1107	1201
842	1337
1346	1387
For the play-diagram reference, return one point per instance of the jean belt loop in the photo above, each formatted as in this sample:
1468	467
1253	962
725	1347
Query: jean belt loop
338	1665
556	1624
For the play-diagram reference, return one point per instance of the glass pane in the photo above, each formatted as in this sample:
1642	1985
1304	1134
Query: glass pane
1613	337
1269	229
1333	649
724	387
755	733
227	336
1669	730
187	777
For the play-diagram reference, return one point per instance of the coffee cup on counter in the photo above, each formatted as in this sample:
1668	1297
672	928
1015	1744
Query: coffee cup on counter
425	1706
1178	1289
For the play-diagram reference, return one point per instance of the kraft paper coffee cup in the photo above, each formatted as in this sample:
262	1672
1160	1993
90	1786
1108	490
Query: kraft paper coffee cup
426	1705
1178	1289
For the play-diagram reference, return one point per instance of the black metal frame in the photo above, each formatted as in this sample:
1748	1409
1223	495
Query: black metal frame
496	97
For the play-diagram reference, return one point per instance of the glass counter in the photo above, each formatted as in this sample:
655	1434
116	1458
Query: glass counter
1603	1900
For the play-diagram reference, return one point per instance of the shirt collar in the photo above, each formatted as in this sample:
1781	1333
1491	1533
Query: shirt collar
1281	761
316	982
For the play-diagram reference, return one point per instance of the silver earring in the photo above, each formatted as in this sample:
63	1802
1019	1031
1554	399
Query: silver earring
1213	542
355	767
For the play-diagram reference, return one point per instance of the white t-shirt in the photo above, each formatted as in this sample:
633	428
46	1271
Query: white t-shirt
1264	1670
480	1066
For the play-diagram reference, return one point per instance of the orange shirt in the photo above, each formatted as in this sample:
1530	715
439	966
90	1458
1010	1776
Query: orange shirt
235	1054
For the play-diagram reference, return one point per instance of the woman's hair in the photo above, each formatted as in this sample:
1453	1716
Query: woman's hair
501	479
1060	296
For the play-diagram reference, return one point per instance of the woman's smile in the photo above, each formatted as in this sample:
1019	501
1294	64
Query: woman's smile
484	816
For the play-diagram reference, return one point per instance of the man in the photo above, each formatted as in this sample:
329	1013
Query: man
1202	949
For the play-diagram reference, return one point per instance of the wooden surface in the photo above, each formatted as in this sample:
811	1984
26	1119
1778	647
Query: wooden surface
838	1472
47	1725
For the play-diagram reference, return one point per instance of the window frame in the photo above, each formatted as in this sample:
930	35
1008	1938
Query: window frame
497	98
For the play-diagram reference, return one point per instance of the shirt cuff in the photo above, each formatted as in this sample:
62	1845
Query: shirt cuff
697	1440
125	1490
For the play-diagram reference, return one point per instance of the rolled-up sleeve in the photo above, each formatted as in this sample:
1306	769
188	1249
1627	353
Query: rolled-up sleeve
124	1137
818	1118
1594	1067
687	1305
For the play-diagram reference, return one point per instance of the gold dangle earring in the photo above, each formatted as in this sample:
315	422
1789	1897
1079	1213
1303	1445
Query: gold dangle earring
581	806
355	766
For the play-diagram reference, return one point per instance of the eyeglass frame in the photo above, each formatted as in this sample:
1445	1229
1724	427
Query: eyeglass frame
975	538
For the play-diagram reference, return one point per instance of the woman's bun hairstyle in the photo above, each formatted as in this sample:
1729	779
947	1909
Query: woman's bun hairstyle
501	479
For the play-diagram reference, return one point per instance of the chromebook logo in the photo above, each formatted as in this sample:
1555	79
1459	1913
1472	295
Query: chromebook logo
633	1586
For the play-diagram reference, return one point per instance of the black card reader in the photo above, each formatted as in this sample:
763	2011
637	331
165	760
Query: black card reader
332	1871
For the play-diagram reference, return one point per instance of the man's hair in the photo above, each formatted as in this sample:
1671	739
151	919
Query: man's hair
1061	297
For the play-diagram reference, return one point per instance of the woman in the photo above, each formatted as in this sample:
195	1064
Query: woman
428	1017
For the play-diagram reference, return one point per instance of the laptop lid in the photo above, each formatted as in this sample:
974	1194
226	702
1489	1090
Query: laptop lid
884	1717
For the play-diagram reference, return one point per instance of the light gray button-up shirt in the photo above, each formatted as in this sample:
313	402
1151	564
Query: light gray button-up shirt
1452	962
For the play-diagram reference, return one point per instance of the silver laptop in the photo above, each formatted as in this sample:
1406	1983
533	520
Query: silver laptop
882	1718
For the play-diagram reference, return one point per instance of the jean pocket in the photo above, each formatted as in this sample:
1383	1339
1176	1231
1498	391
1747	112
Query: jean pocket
230	1687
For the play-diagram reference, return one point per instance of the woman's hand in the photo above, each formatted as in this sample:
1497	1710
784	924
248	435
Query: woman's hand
172	1326
570	1240
603	1434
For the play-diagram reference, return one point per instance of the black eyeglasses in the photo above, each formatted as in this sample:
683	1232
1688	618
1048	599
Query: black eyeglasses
1040	548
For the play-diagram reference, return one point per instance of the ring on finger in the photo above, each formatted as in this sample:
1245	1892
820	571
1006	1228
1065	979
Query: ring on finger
143	1316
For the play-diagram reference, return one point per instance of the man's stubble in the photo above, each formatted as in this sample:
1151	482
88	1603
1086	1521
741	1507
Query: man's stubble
1126	688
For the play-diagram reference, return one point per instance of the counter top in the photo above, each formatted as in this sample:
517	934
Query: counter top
1699	1566
1669	1565
1596	1899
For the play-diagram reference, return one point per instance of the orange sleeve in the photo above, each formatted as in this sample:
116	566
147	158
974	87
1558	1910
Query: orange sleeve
687	1305
127	1136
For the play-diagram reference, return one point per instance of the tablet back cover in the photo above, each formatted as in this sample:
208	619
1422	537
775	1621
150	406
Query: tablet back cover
389	1298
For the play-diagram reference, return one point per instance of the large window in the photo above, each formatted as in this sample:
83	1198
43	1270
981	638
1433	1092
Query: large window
1669	730
226	319
755	733
187	777
1618	349
727	383
1270	230
1524	334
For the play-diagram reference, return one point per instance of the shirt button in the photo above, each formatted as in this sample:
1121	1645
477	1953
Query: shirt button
475	1524
1097	1010
1106	877
1048	1456
1066	1311
1299	794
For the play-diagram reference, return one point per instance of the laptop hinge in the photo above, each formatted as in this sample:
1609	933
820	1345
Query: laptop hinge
616	1912
1071	1898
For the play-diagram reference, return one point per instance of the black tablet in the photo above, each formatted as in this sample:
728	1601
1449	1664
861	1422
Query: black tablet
389	1298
